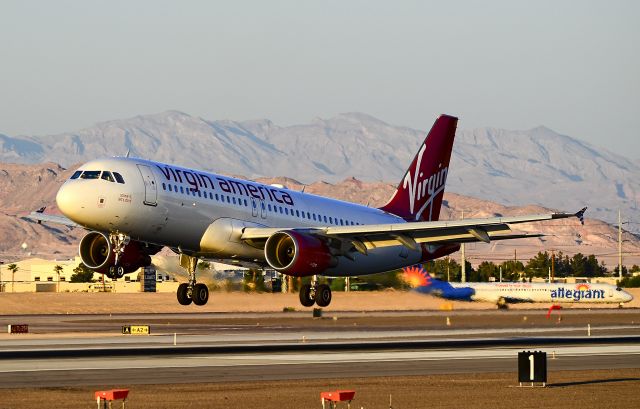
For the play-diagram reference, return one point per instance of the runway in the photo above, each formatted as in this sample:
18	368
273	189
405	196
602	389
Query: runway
212	348
186	368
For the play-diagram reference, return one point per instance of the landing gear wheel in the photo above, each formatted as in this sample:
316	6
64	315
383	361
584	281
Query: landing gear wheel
307	299
183	294
200	294
120	272
323	295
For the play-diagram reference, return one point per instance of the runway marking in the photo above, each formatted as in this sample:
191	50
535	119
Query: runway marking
307	359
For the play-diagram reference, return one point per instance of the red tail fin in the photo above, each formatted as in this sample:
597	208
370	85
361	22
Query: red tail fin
419	194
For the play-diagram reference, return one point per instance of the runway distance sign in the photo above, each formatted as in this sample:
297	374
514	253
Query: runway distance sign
18	329
136	330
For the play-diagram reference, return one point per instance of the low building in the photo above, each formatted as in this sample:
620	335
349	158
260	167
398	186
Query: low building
39	275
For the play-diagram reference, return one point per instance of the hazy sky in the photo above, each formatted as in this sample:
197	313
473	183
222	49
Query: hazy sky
573	66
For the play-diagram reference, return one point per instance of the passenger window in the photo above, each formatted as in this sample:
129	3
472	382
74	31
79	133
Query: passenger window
107	176
217	197
181	189
76	174
118	177
169	188
164	187
330	220
90	174
297	213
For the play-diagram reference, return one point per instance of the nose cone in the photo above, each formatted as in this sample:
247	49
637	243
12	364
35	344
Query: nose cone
627	297
69	200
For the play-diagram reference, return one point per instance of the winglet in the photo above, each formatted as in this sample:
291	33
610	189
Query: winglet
580	215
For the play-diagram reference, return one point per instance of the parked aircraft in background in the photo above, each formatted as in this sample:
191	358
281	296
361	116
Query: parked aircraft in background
503	293
135	207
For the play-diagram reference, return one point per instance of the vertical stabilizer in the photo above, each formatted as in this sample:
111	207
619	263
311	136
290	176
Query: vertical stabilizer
419	194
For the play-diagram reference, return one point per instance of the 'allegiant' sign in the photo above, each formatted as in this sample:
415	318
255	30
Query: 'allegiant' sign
580	293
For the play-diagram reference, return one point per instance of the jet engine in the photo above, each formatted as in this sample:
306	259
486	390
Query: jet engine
96	252
298	254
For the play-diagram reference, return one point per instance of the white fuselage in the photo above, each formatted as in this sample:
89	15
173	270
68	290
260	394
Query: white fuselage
203	214
546	292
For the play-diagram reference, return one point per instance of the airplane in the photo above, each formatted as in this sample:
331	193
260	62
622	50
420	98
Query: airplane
134	207
503	293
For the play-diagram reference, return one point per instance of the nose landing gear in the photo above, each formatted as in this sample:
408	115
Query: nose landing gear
189	292
315	293
118	243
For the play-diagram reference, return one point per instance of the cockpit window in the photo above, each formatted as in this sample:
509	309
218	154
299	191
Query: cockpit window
90	174
107	176
76	174
118	177
618	289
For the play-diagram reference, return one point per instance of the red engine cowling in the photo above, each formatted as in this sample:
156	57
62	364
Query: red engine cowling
297	254
96	253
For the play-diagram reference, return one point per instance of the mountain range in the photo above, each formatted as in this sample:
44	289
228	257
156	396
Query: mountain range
536	166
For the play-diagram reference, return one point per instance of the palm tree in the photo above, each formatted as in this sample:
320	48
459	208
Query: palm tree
13	268
58	269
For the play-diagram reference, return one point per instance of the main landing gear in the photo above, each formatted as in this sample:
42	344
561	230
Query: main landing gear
198	293
315	293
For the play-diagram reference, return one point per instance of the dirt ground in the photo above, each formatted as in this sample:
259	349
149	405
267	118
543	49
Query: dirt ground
118	303
567	389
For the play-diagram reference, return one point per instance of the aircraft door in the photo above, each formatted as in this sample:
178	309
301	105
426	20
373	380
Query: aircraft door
263	209
254	207
150	188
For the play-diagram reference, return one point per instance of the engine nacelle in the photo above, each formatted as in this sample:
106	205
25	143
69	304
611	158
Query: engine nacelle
297	254
97	253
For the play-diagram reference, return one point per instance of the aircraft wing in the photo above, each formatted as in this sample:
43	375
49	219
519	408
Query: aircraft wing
412	234
39	216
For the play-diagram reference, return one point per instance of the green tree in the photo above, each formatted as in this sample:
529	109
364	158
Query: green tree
624	270
629	282
485	270
447	267
511	270
538	266
82	274
582	266
14	269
